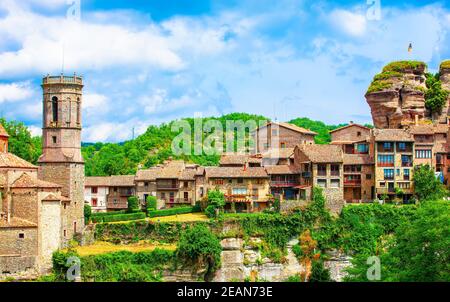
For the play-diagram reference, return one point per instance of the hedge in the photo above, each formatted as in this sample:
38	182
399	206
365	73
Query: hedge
173	211
119	217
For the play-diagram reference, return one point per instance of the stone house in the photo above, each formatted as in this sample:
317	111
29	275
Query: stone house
145	182
284	181
276	135
96	192
32	216
321	166
240	160
278	156
394	160
121	187
247	188
359	178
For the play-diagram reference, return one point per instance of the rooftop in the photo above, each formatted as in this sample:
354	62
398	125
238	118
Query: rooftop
122	181
235	172
27	181
291	127
97	181
9	160
350	125
3	132
322	153
392	135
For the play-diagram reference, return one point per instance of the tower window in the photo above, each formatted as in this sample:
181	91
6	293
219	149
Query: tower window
54	139
21	235
55	108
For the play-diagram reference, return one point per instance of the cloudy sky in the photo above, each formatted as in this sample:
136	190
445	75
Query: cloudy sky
150	61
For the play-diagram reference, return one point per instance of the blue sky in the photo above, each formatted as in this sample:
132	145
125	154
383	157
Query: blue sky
147	62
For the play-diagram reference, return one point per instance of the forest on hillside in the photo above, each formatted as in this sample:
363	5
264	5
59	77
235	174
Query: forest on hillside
146	150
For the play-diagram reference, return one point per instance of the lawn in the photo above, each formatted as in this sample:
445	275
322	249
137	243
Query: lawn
102	247
181	218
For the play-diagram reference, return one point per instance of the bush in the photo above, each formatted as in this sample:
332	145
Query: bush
87	213
173	211
319	273
210	211
151	203
133	204
216	200
118	217
198	244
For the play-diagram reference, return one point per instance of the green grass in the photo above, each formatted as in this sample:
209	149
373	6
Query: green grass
402	66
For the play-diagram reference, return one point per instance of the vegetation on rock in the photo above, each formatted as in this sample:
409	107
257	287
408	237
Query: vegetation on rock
435	96
403	66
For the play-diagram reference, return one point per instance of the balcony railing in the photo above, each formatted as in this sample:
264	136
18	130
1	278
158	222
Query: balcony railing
335	173
177	200
63	80
385	164
407	164
167	186
352	182
321	173
306	174
281	183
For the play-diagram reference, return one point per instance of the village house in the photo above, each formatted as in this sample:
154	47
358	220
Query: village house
121	187
276	135
321	166
394	160
145	181
96	192
245	189
284	181
359	178
240	160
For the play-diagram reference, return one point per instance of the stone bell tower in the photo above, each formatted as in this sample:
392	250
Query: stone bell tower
61	161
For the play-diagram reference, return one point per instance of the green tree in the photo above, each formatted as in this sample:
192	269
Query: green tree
216	202
199	245
319	273
151	203
133	204
426	185
87	213
435	96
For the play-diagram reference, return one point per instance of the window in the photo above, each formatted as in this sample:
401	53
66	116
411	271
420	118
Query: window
274	132
239	191
402	146
335	170
322	170
322	183
55	108
146	184
230	181
54	139
65	205
387	145
362	148
405	174
163	195
335	183
382	184
94	202
21	235
388	173
78	111
185	184
368	176
186	196
115	189
240	181
218	181
283	145
358	133
65	233
398	172
423	153
255	193
74	226
386	159
94	190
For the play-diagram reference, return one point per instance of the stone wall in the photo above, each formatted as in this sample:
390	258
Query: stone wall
286	206
337	263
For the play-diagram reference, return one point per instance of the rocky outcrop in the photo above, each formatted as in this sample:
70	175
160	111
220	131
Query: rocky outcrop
397	95
337	263
444	76
241	262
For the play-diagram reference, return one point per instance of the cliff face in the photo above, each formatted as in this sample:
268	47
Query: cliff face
397	95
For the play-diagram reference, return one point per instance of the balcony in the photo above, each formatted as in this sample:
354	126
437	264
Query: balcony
63	80
171	201
168	186
407	164
238	197
281	183
385	164
335	173
352	182
406	177
126	192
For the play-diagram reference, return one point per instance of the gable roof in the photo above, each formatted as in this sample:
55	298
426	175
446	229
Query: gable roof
281	169
233	159
235	172
392	135
97	181
279	153
290	127
322	153
122	181
3	132
350	125
148	174
26	181
9	160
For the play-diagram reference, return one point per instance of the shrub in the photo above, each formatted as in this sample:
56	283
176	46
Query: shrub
151	203
198	244
319	273
119	217
210	211
426	185
133	204
87	213
216	200
173	211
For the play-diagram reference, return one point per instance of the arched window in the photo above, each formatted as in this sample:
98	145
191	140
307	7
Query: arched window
78	111
55	108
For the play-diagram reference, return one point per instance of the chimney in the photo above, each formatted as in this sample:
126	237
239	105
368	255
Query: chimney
351	122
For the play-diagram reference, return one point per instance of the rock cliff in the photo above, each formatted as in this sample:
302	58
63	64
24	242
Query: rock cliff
396	96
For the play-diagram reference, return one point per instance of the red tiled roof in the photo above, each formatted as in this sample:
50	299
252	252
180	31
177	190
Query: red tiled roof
392	135
9	160
122	181
235	172
357	159
97	181
322	153
281	169
3	132
350	125
27	181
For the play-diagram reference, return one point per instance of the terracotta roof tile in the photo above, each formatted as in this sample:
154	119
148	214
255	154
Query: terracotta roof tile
421	129
233	159
322	153
122	181
188	174
291	127
350	125
27	181
9	160
97	181
3	131
281	169
148	174
279	153
392	135
235	172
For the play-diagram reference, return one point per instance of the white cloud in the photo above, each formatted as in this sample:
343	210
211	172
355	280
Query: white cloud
350	23
15	92
35	130
95	101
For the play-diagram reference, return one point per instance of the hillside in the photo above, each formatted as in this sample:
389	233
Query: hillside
146	150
